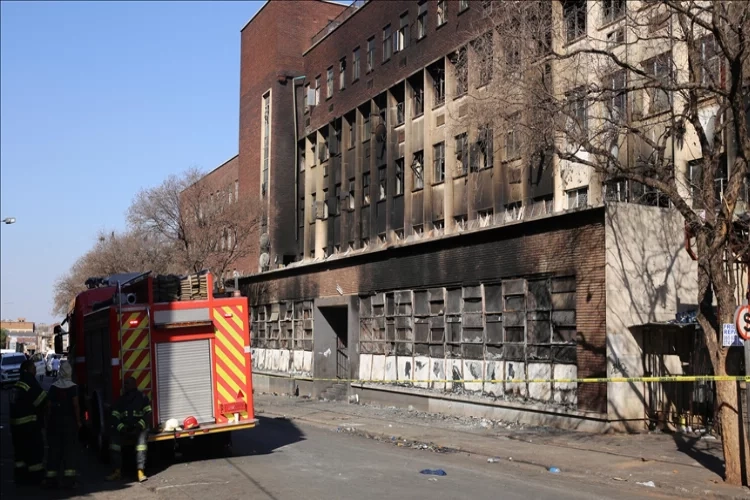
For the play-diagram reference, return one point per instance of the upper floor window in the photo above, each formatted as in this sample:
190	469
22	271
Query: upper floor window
660	69
578	198
355	65
422	25
401	37
461	66
463	5
382	183
417	168
317	90
399	177
307	92
574	12
442	12
387	44
613	10
329	83
342	73
365	188
462	154
370	54
616	85
711	62
513	138
438	161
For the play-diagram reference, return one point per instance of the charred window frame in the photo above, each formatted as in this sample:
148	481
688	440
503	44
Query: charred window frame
417	168
659	68
574	13
486	149
329	82
578	106
459	60
365	189
399	187
616	85
484	49
418	101
352	194
462	154
342	73
382	183
438	162
612	10
422	22
513	138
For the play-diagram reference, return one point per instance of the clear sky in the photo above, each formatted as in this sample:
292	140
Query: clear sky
99	99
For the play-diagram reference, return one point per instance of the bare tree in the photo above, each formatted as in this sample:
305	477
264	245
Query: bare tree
113	253
208	226
625	107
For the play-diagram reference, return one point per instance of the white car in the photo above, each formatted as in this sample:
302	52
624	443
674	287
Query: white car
40	363
10	367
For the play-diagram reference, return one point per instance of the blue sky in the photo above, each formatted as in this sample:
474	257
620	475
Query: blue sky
99	99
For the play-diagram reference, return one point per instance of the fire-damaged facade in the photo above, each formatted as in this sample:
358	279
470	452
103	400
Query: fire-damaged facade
416	261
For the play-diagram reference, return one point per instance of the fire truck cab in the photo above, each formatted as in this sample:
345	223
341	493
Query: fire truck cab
188	350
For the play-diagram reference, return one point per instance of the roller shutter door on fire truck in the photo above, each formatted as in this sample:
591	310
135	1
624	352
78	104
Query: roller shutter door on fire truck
184	381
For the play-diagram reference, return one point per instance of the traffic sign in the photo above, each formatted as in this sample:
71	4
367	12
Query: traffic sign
742	321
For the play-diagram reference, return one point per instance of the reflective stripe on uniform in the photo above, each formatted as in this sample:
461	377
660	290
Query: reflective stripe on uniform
51	473
69	472
141	447
40	398
116	414
20	465
142	423
23	385
36	467
120	427
147	409
137	413
114	447
23	420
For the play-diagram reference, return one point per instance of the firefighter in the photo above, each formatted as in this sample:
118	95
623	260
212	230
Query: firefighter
27	409
130	419
63	426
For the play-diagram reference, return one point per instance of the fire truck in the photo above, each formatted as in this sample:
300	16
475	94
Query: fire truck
187	348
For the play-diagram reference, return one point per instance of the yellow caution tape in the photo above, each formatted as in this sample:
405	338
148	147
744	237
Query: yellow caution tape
678	378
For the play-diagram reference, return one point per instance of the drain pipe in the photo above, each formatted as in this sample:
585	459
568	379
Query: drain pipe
296	156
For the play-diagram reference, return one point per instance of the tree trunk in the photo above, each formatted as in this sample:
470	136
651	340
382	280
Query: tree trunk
729	419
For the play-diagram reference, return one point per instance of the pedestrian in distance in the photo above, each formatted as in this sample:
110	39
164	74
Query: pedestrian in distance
27	409
63	426
55	366
131	419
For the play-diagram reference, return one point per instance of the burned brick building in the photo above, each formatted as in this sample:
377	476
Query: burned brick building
404	248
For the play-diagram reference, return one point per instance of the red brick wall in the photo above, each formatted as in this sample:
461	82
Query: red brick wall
569	244
272	44
370	21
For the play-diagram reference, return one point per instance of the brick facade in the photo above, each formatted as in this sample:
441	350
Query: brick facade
566	245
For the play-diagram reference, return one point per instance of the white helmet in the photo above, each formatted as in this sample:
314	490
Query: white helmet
171	425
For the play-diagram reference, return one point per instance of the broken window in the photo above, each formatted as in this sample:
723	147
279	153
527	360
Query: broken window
659	68
370	54
399	177
512	138
401	37
351	193
417	168
578	112
616	88
574	12
329	83
442	14
462	154
337	200
382	183
342	73
422	24
486	149
483	47
365	188
438	161
578	198
461	68
613	10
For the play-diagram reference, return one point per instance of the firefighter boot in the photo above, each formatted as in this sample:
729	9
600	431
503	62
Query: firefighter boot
142	476
115	476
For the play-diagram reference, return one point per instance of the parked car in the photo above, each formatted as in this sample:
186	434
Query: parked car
40	363
10	367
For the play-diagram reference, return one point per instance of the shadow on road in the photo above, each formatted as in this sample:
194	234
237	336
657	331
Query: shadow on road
690	447
270	435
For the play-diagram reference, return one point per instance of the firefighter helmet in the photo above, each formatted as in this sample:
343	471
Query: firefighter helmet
171	425
189	423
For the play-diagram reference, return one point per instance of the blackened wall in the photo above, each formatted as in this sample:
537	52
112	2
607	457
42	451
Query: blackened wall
272	45
570	244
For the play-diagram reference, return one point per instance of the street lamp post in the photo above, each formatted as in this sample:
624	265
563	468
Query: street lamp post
9	220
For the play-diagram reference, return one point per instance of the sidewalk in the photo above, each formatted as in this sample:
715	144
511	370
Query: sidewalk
678	465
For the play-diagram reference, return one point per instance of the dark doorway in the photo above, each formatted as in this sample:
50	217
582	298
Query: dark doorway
337	319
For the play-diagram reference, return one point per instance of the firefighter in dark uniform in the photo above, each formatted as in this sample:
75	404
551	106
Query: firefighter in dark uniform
131	419
27	409
63	426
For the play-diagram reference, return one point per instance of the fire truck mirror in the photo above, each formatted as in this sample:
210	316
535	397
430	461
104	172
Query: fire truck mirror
58	344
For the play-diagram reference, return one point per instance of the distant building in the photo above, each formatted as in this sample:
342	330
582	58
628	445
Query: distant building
20	331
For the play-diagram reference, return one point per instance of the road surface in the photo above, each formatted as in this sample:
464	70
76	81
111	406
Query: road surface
284	460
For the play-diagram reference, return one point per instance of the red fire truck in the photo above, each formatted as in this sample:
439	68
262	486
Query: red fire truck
188	350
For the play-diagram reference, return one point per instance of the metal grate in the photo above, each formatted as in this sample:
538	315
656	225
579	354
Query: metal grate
184	382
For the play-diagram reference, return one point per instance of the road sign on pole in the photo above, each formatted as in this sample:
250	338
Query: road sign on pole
742	321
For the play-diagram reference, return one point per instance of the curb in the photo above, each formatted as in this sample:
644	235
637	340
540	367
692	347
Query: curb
676	491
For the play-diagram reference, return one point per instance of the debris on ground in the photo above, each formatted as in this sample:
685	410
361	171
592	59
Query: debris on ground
649	484
554	470
433	472
493	460
400	442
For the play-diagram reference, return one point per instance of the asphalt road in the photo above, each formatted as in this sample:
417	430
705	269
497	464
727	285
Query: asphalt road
283	460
